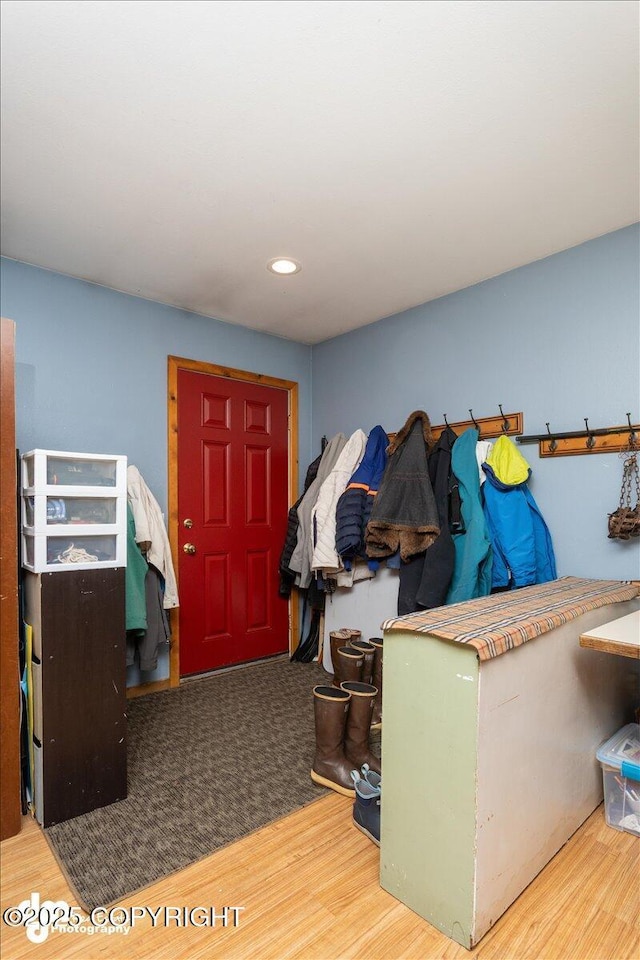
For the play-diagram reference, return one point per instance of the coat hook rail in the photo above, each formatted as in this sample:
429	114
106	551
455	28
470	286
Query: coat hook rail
589	440
509	423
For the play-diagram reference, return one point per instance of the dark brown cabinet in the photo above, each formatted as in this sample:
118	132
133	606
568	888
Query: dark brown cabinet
79	690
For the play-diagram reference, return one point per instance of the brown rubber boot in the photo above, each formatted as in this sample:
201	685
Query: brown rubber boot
330	766
337	639
356	738
376	716
348	666
353	634
368	652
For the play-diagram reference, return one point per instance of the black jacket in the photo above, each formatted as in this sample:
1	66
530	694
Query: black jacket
425	579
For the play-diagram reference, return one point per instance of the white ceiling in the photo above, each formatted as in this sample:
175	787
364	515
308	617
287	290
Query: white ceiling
399	150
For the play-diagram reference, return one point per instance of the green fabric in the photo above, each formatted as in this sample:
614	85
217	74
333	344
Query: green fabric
135	601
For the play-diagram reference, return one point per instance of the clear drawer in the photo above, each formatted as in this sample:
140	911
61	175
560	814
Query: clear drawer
69	472
77	551
43	470
74	550
68	510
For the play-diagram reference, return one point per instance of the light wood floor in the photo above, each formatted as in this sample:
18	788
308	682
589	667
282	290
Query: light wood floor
309	888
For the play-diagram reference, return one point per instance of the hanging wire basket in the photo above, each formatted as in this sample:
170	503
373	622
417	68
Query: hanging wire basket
624	523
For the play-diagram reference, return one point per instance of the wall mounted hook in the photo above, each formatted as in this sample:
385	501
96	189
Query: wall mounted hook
446	422
505	422
591	440
475	423
572	443
553	444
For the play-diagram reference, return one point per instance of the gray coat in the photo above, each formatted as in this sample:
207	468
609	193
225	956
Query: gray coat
300	562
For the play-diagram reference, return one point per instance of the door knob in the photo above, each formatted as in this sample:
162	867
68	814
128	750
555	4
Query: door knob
187	523
189	548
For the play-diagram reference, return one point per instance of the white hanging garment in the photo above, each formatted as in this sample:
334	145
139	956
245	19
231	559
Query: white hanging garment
150	530
483	449
323	515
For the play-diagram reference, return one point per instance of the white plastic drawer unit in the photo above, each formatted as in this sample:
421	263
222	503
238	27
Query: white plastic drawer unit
74	510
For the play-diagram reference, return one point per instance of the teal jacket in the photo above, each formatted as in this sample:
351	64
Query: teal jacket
474	556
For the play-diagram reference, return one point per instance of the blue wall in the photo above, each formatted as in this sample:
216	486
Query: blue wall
558	339
91	373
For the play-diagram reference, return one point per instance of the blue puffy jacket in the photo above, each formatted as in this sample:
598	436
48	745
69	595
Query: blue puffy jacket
354	506
522	548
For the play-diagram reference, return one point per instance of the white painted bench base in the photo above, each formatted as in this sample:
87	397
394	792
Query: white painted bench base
489	767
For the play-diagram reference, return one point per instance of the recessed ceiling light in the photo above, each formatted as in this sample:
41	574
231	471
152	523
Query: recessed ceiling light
284	266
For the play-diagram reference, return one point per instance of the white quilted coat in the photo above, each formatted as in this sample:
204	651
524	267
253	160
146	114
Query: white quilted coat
323	517
150	530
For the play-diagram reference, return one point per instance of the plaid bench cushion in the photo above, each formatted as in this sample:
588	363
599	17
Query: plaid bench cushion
503	621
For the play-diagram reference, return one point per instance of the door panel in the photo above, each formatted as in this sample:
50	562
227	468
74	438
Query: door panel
215	489
258	593
258	474
233	485
217	591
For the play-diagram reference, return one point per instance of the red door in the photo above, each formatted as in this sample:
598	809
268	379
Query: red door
233	495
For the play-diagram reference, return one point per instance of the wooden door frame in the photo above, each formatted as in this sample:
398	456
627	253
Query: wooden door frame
200	366
10	808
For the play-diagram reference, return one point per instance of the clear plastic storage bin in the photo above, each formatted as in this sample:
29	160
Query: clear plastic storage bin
74	510
620	761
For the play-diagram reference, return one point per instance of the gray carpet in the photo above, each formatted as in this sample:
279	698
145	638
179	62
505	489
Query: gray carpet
208	763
